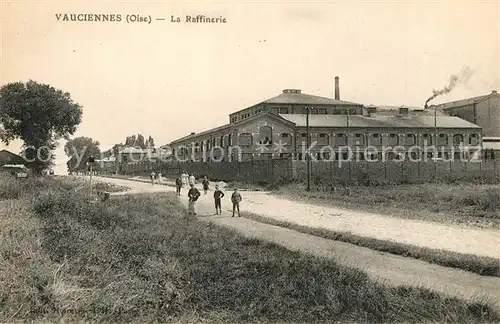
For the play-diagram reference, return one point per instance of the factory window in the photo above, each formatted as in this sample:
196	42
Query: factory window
245	139
341	139
336	112
266	135
303	138
458	139
352	111
410	139
426	139
443	139
304	110
286	139
360	139
322	111
375	139
393	139
474	139
323	139
284	110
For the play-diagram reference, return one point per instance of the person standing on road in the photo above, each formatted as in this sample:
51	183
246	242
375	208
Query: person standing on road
193	195
153	176
184	178
218	195
205	184
178	186
192	180
235	199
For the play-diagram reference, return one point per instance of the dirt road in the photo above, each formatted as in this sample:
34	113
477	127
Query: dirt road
384	267
483	242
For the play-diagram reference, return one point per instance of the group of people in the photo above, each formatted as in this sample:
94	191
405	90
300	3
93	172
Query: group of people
153	176
194	194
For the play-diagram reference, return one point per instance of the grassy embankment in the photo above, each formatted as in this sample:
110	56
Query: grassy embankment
139	258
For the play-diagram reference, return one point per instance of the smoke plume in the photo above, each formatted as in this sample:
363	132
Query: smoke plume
455	79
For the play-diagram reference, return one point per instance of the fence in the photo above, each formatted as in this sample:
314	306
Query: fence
362	172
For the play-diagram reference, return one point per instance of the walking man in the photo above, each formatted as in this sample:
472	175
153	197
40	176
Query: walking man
153	176
235	199
218	195
205	184
192	180
193	195
178	186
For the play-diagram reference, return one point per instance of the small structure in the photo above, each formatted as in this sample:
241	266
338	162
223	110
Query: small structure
17	170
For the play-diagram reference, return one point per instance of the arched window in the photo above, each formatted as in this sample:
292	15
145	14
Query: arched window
265	135
458	139
229	140
323	139
474	139
221	144
443	139
410	139
393	139
286	139
341	139
359	139
196	147
245	139
375	139
426	139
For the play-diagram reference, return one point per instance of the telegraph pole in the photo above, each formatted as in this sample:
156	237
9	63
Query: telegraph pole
307	151
347	143
435	144
90	162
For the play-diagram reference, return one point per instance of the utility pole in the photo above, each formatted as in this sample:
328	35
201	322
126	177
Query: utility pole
435	144
347	142
90	162
308	158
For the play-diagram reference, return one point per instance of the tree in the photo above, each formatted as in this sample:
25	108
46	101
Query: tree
140	142
79	150
151	142
39	115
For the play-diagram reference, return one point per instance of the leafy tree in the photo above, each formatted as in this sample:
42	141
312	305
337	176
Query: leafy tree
79	150
39	115
151	142
140	142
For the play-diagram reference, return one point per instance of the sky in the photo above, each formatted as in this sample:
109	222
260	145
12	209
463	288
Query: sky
168	79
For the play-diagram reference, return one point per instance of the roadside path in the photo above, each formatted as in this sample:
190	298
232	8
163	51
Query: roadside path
384	267
482	242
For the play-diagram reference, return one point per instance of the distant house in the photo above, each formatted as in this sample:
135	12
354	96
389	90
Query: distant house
7	157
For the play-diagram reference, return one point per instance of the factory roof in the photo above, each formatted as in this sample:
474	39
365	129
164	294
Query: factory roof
379	121
466	102
294	96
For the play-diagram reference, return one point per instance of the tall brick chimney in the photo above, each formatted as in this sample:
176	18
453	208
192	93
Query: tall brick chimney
337	90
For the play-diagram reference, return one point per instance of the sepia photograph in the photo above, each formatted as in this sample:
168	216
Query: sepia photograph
270	161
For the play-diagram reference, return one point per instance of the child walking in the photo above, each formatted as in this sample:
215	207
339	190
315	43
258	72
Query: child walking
205	184
218	195
178	186
235	199
193	195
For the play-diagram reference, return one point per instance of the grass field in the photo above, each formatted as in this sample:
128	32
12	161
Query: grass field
138	258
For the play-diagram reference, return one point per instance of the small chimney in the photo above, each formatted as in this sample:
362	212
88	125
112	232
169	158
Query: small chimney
337	89
494	91
192	133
